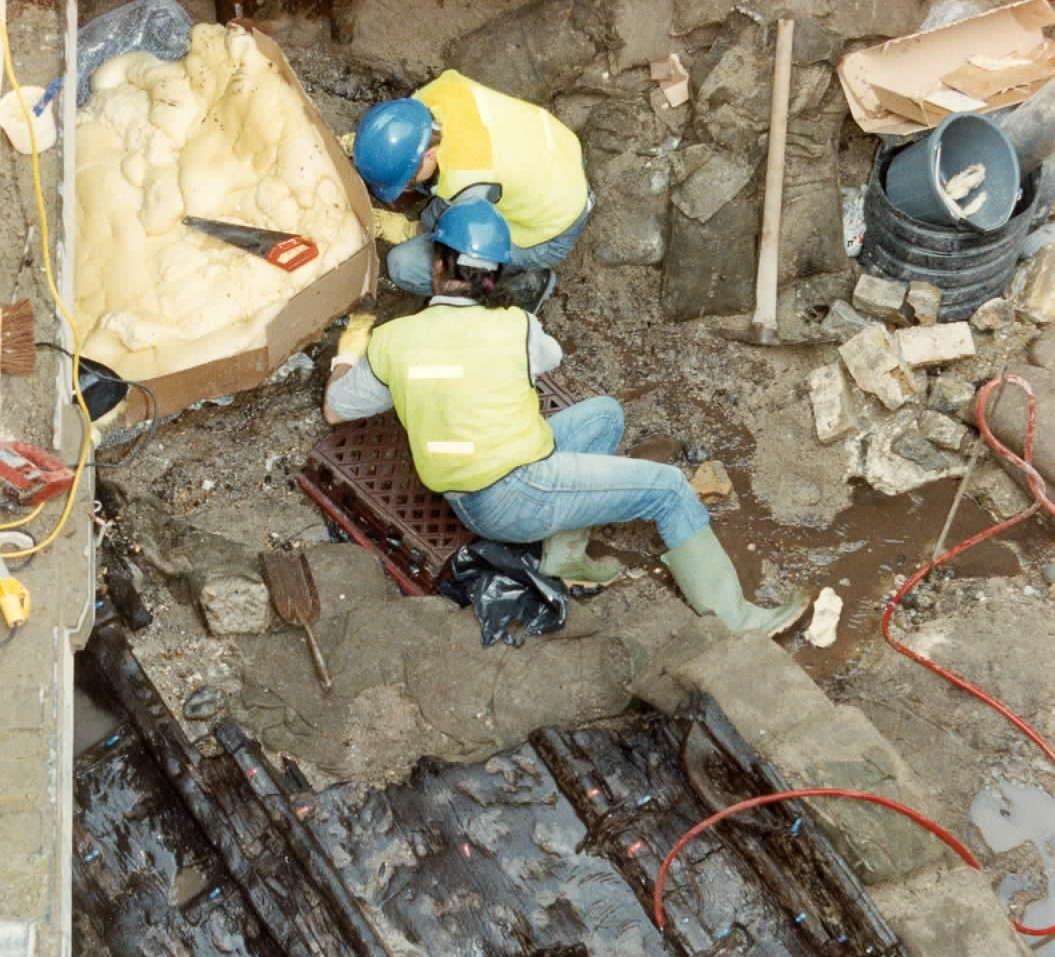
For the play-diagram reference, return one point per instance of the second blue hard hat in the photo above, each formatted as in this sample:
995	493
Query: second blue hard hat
390	141
476	230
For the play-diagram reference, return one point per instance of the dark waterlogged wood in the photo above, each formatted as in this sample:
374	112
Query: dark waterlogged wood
548	850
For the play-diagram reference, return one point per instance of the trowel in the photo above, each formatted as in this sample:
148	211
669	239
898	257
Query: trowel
286	250
296	599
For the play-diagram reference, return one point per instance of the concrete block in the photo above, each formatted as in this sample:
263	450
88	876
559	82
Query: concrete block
843	322
845	750
23	891
949	912
1035	293
944	432
924	302
833	412
950	393
23	780
876	366
18	938
880	297
759	685
995	314
935	345
21	833
22	708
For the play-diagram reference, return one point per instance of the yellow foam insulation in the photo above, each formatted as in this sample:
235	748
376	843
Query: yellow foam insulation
218	135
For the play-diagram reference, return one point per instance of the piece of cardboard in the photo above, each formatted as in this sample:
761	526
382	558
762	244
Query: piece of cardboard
982	83
883	80
305	315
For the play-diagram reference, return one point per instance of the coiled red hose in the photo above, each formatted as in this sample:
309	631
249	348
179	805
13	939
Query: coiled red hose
1041	501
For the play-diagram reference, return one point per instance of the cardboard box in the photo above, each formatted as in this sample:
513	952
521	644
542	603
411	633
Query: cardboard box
910	84
306	314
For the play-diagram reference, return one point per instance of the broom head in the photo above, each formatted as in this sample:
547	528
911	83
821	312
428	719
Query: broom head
18	351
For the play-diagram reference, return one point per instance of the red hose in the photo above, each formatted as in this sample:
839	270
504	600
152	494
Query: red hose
936	829
1041	501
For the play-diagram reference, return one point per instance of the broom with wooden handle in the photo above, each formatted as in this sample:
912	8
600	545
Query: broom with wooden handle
18	351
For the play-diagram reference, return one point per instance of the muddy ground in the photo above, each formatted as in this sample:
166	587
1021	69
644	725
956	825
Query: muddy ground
620	313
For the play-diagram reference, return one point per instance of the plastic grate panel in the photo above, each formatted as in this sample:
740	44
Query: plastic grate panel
362	475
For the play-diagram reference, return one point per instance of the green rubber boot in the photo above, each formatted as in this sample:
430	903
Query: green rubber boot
709	583
564	556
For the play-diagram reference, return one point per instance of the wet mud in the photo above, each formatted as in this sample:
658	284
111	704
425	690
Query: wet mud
863	554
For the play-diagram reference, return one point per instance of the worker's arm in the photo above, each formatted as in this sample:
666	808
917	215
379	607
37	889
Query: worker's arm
544	352
354	392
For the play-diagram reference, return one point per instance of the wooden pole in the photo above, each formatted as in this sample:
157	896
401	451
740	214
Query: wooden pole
765	318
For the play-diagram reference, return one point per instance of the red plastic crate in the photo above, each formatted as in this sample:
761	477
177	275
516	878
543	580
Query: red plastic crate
362	476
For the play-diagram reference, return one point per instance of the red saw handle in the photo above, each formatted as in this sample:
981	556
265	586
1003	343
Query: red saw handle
277	254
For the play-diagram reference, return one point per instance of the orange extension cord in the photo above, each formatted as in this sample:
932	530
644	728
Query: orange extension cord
1040	501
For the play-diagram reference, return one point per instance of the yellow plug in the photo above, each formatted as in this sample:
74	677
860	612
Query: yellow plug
14	596
14	599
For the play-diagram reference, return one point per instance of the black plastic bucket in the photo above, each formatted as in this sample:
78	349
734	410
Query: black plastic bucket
969	267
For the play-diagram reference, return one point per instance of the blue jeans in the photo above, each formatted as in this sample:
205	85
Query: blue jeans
583	483
410	263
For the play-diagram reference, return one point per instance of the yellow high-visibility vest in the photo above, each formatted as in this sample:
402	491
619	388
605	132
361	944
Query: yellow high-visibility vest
527	152
461	386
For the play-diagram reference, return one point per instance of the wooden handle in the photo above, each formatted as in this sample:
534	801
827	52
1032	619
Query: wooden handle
316	656
769	247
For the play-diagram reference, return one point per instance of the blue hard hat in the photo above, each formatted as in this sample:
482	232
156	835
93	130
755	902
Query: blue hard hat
390	141
478	231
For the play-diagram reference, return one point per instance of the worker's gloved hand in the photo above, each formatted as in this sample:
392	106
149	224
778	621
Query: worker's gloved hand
351	347
347	143
394	228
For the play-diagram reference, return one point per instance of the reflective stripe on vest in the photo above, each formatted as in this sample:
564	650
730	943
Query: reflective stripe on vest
489	137
461	386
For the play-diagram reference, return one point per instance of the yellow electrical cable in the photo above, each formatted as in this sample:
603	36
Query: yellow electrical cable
45	242
25	520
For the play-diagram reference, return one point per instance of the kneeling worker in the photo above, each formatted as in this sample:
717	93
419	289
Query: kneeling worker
457	139
461	373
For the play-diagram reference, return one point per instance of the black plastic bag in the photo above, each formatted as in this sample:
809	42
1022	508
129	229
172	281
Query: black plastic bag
503	584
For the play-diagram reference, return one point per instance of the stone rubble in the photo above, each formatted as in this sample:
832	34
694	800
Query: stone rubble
943	431
998	313
950	393
924	302
883	298
922	346
916	447
875	363
891	472
843	322
1034	295
833	411
712	481
1042	350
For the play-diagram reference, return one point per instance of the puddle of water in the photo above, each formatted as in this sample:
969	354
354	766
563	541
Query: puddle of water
1008	816
93	718
866	545
190	881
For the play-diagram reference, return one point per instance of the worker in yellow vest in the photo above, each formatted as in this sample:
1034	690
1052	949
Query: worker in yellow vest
460	375
458	139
